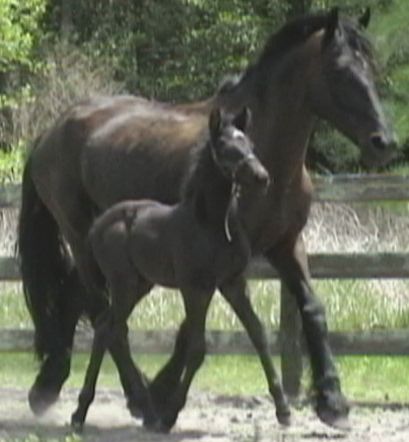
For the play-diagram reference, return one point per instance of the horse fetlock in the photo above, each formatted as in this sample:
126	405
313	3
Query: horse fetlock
281	403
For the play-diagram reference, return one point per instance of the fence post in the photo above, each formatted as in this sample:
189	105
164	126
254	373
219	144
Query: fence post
290	343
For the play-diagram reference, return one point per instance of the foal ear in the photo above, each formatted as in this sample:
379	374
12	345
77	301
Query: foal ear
242	120
215	122
365	18
332	24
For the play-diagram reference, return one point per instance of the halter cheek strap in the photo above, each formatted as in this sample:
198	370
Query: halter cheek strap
235	194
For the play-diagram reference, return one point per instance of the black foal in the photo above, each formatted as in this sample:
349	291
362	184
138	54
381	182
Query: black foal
197	246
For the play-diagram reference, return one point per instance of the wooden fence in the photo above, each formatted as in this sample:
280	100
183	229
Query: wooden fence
287	342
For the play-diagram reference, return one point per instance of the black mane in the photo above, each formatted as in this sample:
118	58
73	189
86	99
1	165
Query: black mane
199	162
300	29
292	34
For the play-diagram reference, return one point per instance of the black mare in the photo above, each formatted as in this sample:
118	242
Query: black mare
106	150
196	246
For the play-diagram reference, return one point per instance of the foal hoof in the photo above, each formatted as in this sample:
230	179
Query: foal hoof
155	426
134	409
41	399
77	423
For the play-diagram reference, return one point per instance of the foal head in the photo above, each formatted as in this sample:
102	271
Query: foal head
232	149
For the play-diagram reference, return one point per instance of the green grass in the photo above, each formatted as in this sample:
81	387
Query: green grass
366	379
350	305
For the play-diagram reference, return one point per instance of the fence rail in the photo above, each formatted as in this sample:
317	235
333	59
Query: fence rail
390	343
287	342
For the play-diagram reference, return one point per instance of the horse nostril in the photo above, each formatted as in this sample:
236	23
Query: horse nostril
379	142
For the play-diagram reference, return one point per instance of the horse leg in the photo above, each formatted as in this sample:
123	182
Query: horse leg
196	306
290	260
168	378
56	366
236	293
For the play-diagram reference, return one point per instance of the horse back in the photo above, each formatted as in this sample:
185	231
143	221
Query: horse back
109	149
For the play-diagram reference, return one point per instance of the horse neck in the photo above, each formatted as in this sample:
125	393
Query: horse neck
210	192
276	93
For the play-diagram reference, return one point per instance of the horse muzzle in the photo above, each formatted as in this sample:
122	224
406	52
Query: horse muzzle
381	148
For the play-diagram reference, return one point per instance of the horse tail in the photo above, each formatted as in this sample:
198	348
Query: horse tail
50	285
44	268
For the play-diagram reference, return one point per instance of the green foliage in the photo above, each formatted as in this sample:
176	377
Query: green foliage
11	164
174	49
19	32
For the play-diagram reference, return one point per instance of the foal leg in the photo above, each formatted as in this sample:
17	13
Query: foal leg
94	292
196	306
124	294
101	335
290	260
168	378
90	287
235	292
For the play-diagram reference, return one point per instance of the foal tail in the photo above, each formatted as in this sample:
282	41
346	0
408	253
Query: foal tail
50	286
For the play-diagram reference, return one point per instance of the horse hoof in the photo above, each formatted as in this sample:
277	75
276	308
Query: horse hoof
339	422
40	400
284	417
334	413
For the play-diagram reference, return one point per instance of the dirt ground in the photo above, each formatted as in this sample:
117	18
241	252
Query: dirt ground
206	418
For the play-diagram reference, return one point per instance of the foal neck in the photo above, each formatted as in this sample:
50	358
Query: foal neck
209	194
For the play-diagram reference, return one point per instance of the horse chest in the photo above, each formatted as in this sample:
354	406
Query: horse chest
274	216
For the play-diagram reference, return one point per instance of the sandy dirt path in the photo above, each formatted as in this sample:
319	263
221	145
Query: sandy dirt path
206	418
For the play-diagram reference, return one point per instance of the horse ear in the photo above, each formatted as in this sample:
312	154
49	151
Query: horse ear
332	24
365	18
242	120
215	122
